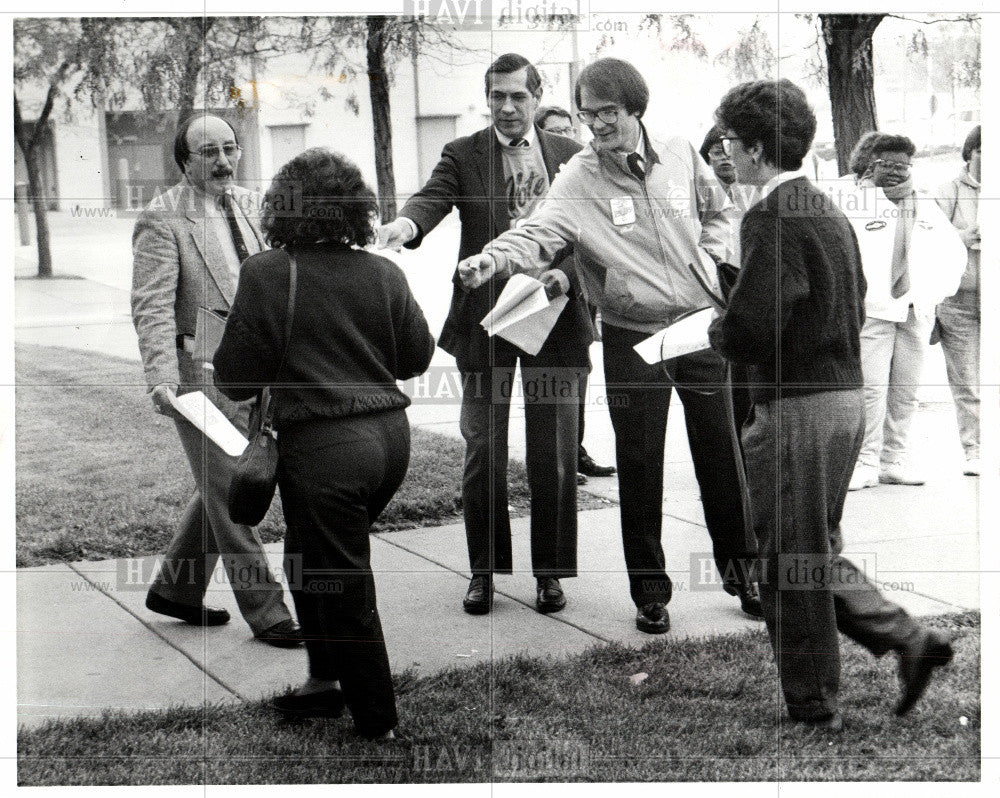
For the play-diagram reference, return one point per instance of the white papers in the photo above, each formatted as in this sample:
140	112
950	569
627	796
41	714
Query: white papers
523	314
688	335
196	408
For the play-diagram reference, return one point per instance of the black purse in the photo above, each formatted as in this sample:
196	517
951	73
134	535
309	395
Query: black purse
251	489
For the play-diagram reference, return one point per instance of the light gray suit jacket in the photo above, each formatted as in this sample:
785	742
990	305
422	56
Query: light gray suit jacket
179	266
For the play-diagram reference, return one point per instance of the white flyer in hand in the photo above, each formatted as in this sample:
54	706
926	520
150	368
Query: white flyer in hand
688	335
523	313
196	408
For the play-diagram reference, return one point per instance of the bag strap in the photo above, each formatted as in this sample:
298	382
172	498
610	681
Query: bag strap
267	406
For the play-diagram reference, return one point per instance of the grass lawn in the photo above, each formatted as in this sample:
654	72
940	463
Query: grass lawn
100	475
708	711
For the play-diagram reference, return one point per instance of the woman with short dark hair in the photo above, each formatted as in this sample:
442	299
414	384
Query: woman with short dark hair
912	260
794	318
958	318
343	437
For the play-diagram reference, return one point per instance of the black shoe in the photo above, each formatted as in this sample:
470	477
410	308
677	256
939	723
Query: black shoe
653	619
284	634
581	479
189	613
931	649
479	596
831	724
586	465
322	704
550	595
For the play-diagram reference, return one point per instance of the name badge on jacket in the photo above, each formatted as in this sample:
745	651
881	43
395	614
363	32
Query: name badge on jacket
622	211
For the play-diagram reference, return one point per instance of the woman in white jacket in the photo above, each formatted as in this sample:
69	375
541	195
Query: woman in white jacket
912	259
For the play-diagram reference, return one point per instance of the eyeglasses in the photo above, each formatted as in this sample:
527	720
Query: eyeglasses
727	147
607	115
567	130
895	166
211	153
717	151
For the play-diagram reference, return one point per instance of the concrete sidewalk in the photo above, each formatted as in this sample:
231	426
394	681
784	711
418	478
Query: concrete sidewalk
85	641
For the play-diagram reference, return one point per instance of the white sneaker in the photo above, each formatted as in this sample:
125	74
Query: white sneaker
972	467
899	474
864	476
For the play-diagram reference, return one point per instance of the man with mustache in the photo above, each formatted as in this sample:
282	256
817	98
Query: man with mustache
188	246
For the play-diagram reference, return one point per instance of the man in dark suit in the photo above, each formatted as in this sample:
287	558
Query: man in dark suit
188	245
495	178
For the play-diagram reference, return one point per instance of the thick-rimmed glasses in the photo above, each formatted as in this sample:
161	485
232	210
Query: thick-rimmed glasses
727	147
607	115
902	167
211	152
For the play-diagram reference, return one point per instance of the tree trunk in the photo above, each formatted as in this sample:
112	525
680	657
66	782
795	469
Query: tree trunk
36	195
378	90
851	76
28	143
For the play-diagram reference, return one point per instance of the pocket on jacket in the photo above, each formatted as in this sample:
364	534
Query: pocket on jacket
625	295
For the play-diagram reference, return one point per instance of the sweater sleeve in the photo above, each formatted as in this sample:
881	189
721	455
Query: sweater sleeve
414	342
248	356
771	282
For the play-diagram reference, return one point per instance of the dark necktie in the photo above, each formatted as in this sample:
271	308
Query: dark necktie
234	229
634	161
518	142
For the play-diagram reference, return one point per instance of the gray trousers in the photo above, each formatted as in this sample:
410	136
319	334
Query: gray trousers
800	452
206	533
959	325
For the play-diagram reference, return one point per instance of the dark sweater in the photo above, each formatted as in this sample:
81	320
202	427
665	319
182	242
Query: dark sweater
356	330
797	308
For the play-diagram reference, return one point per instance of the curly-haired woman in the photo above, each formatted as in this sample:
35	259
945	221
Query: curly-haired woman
343	436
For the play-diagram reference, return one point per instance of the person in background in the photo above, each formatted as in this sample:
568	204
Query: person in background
343	437
912	258
958	315
648	229
188	245
553	119
495	178
794	318
742	197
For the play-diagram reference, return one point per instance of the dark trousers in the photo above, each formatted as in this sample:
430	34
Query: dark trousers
551	405
639	399
800	454
336	476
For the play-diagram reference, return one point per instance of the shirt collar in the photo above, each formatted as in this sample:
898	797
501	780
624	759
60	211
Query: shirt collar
506	140
778	179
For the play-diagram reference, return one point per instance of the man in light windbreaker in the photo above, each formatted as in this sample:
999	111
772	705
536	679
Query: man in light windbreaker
638	212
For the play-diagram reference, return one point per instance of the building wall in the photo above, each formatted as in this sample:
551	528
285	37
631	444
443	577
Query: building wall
81	160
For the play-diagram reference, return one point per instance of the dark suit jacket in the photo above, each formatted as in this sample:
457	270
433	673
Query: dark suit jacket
470	177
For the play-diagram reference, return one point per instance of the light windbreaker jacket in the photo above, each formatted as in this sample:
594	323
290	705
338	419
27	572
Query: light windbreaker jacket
959	200
632	239
936	255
